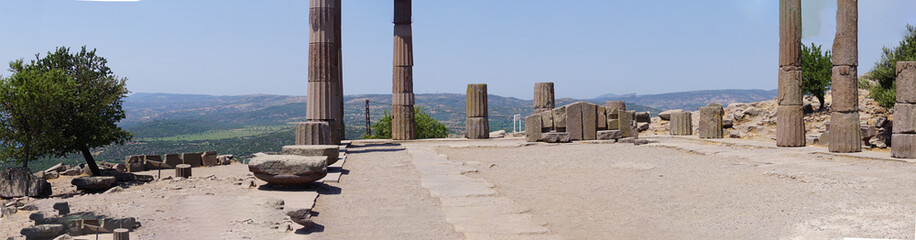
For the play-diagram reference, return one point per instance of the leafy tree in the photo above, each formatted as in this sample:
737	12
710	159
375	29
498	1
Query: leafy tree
29	100
816	72
427	126
88	117
885	70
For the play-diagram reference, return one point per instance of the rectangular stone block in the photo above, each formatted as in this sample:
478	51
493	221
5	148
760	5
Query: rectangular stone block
790	126
906	82
546	120
643	117
627	125
192	159
153	161
559	119
681	124
172	160
844	88
710	122
845	134
601	113
556	137
790	82
533	128
208	159
589	121
903	145
613	124
574	121
609	135
904	118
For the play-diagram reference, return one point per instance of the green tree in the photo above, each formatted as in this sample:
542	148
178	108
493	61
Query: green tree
427	126
29	100
88	117
885	71
816	72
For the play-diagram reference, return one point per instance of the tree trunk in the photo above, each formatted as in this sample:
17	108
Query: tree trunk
820	99
90	161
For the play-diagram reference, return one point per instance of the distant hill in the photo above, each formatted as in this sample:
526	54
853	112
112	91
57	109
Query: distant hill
693	99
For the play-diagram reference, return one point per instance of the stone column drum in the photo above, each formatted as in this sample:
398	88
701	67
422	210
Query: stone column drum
533	127
711	121
313	133
477	125
903	140
543	97
790	124
403	124
325	101
681	124
845	135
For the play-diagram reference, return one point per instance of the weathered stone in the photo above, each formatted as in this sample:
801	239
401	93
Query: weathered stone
846	41
643	117
153	162
613	124
556	137
120	167
790	126
711	122
906	82
790	30
208	159
301	216
559	119
289	169
51	175
546	121
543	96
790	81
403	121
120	234
192	159
904	118
903	145
73	171
609	135
477	128
642	127
171	160
728	123
845	134
94	184
403	124
666	115
619	105
845	89
56	168
601	113
681	124
109	225
626	123
533	128
313	133
476	100
19	182
43	231
574	121
225	159
589	121
126	177
135	163
330	151
63	208
183	171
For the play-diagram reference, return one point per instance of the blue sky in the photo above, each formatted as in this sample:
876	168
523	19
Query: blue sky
586	47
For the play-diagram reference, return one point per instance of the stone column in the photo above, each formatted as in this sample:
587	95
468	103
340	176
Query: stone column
533	127
477	125
403	124
619	105
325	99
681	124
903	140
543	97
341	126
313	133
790	122
711	121
845	136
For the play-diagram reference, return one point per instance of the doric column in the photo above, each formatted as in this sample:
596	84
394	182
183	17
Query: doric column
325	99
340	93
403	125
903	140
543	97
790	121
477	124
845	136
710	125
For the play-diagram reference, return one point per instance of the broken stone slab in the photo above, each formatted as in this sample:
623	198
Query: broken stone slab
556	137
208	159
135	163
94	184
642	127
609	135
618	105
120	167
192	159
127	177
330	151
533	128
56	168
72	171
301	216
225	159
559	119
589	121
63	208
574	120
546	121
903	145
601	112
171	160
498	134
625	122
19	182
904	118
643	117
43	231
289	169
666	115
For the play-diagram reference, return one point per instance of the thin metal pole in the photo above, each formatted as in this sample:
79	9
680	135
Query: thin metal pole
368	120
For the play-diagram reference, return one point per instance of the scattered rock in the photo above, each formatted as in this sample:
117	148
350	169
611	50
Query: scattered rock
73	171
8	210
224	159
301	216
63	208
43	231
51	175
110	224
289	169
498	134
19	182
208	159
609	134
120	167
56	168
666	115
94	184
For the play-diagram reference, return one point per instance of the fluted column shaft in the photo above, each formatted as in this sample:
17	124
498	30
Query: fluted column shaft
403	125
845	135
790	130
543	97
325	90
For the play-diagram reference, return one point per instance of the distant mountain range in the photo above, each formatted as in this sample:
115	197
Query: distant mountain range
693	99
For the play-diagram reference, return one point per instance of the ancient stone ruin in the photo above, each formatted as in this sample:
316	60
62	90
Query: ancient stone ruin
711	124
403	124
790	121
325	89
477	124
681	123
844	131
903	141
48	225
543	97
313	133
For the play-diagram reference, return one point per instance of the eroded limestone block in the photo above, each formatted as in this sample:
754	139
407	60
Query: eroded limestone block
330	151
289	169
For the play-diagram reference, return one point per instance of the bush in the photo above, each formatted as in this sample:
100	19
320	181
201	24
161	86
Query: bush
816	72
427	126
884	91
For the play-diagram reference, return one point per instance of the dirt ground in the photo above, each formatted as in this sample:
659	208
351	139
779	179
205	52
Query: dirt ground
622	191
